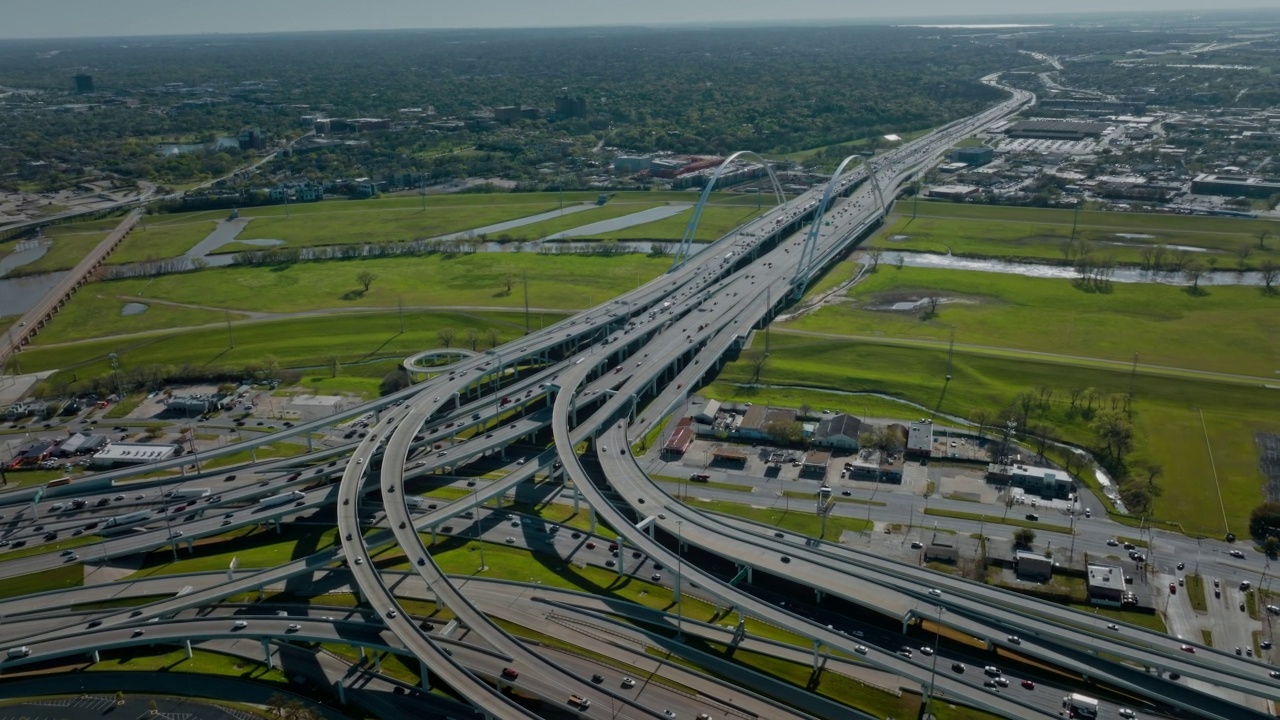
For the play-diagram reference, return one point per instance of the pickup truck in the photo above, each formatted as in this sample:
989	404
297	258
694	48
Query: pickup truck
579	701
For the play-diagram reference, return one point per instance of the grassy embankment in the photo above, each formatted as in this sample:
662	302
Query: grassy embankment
1167	410
1040	233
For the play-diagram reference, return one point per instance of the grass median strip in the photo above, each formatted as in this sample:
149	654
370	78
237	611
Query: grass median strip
1195	593
1002	520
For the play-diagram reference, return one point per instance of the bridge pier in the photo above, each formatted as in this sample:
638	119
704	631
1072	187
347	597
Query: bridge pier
433	534
818	595
591	517
186	642
96	659
342	691
577	497
266	654
748	569
377	662
622	555
817	654
425	681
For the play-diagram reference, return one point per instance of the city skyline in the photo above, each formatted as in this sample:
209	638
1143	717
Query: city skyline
132	18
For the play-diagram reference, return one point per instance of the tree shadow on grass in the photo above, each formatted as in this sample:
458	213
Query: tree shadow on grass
353	295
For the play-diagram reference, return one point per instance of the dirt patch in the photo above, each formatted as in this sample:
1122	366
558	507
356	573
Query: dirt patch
912	300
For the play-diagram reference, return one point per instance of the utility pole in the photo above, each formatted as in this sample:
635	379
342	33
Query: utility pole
526	302
1133	374
950	351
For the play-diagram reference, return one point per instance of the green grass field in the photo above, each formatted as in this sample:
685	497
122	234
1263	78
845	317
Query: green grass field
1165	325
476	280
361	341
1166	410
1039	233
396	218
152	240
71	242
255	549
95	312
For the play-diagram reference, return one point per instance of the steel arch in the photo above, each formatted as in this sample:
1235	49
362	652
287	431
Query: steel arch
805	267
686	241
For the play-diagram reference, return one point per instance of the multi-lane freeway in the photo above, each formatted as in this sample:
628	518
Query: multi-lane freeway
594	383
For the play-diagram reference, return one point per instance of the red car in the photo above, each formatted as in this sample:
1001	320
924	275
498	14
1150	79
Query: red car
1189	649
1028	685
1173	588
510	673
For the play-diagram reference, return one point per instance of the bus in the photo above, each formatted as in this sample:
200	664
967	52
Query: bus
60	481
1080	706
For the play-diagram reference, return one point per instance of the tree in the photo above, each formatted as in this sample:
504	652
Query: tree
119	698
932	301
756	360
1115	436
1023	537
1242	255
1193	272
507	281
334	365
492	335
155	431
1154	470
446	336
980	417
1265	520
365	278
1136	497
393	381
805	410
1271	546
875	254
784	432
473	337
1270	271
1262	240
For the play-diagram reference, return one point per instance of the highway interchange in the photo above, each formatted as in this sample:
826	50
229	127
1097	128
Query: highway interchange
600	380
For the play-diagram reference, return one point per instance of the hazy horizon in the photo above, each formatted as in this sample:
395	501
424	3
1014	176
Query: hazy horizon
55	19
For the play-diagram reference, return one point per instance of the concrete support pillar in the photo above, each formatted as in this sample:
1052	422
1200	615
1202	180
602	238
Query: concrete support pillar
433	534
817	657
577	499
361	652
276	522
818	595
342	691
186	642
96	659
253	452
310	443
266	653
750	571
377	662
426	675
622	555
591	517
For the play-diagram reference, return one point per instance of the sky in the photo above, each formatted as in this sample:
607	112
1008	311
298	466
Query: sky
92	18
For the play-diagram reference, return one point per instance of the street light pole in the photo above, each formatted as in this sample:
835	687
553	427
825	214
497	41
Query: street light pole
475	510
679	574
933	670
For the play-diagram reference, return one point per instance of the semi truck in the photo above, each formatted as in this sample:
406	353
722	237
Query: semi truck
281	499
188	493
132	518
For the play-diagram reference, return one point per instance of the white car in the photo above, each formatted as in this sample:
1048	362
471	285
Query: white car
861	649
1126	713
935	592
240	625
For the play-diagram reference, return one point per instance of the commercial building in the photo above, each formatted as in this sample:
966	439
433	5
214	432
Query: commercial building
681	438
875	466
117	454
1032	566
815	463
1093	107
81	444
191	404
1105	585
838	431
920	438
1235	186
1042	481
632	163
708	413
758	419
941	550
570	107
1055	130
729	454
952	192
973	156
